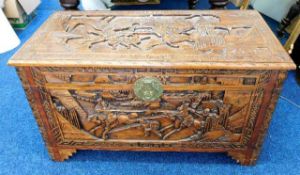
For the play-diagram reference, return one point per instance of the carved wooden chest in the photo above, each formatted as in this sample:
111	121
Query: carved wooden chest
203	81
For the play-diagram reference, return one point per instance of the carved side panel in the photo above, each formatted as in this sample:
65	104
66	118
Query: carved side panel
273	101
272	90
39	101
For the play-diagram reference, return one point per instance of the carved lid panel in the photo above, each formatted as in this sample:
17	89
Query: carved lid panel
187	39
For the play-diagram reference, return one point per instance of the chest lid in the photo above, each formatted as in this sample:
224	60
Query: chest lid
174	39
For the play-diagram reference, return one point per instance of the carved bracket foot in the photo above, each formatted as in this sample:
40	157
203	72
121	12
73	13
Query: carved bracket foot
242	157
62	154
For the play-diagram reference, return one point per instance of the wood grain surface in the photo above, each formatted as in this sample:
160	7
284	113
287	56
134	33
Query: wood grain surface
195	39
218	75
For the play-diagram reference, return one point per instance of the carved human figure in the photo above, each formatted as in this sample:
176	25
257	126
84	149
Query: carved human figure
151	127
224	113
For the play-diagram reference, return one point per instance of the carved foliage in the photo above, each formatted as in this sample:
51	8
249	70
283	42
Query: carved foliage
197	33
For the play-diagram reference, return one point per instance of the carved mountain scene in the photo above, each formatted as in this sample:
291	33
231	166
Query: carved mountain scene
179	116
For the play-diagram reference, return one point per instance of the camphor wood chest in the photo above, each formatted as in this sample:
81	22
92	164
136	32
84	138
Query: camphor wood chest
204	81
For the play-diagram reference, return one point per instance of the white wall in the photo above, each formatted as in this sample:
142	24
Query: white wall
276	9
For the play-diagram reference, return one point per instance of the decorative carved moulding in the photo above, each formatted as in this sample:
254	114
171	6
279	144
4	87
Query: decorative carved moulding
154	81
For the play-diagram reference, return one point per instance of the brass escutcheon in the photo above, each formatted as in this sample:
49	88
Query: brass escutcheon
148	88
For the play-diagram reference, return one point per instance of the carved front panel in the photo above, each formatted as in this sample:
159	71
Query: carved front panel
197	108
181	116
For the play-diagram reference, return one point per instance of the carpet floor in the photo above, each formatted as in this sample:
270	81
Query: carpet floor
22	150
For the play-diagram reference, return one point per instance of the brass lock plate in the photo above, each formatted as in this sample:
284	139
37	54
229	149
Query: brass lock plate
148	88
